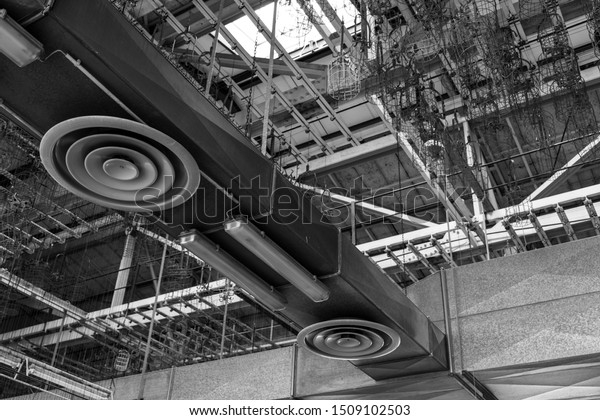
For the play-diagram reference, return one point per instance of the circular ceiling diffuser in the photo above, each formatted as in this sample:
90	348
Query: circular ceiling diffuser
120	164
349	339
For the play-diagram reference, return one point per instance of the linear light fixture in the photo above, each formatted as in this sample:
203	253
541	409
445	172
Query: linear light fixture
225	264
16	43
276	258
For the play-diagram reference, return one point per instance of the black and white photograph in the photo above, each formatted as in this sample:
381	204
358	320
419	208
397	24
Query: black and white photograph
318	208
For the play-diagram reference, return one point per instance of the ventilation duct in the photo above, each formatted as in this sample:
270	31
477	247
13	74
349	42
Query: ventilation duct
389	334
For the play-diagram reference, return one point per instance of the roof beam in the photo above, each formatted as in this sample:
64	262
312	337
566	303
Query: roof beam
232	61
348	157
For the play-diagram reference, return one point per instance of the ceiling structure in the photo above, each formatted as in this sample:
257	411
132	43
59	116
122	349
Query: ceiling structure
430	133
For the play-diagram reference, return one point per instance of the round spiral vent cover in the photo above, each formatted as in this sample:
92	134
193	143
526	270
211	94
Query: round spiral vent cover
349	339
119	164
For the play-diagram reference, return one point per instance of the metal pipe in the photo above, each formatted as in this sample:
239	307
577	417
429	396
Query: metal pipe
171	383
294	372
269	87
447	320
541	175
170	243
224	329
39	14
60	332
77	63
529	152
215	44
29	250
124	269
151	329
47	232
21	121
353	221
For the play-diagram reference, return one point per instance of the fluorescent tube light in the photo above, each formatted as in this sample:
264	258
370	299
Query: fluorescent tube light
16	43
225	264
276	258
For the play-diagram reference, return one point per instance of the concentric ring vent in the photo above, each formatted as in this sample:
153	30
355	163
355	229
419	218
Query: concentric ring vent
349	339
119	164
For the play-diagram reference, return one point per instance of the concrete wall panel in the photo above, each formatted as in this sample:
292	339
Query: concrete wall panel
265	375
530	307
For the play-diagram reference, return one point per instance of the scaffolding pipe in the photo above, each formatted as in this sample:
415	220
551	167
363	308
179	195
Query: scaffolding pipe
60	333
269	87
151	329
21	121
213	52
77	64
124	269
447	320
